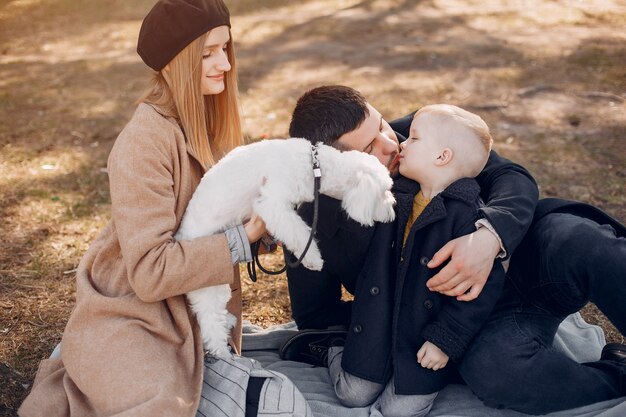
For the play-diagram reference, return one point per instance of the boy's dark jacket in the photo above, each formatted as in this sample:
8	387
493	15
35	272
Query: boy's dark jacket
417	314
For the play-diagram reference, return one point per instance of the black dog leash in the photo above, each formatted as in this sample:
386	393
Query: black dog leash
251	266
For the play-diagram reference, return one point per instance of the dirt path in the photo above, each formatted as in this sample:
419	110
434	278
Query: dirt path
548	76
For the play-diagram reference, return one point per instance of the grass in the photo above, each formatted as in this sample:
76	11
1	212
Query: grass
550	81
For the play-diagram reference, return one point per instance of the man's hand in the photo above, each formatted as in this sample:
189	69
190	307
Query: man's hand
431	357
471	262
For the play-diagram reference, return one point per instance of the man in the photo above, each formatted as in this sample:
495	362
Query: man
572	254
339	116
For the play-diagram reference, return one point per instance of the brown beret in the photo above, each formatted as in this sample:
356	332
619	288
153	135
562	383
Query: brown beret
171	25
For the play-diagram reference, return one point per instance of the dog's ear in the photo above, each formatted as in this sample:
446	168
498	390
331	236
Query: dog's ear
384	211
359	201
385	201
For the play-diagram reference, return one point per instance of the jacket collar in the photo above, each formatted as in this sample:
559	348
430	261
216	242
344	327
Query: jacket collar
465	190
177	123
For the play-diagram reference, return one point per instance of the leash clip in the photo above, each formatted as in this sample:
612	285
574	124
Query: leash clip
317	172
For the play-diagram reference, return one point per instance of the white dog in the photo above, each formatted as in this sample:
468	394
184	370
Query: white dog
271	178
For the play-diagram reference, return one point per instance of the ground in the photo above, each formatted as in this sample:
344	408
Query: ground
547	76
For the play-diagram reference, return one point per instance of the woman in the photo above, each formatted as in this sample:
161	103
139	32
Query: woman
131	346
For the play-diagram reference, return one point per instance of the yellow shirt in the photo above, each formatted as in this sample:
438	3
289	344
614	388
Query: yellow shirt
419	204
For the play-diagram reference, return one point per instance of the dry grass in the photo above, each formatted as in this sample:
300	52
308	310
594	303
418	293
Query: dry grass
550	80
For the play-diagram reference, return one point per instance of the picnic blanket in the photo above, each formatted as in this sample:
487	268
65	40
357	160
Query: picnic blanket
575	338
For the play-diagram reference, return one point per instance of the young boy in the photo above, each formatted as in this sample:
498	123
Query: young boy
437	200
447	147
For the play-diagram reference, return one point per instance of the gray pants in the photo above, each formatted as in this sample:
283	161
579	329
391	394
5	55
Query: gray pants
224	390
353	391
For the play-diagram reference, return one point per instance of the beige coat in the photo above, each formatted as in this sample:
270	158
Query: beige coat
131	346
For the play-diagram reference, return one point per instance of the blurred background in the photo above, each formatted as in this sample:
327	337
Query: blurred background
549	77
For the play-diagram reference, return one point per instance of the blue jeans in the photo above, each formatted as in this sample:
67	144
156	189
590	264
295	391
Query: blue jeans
564	262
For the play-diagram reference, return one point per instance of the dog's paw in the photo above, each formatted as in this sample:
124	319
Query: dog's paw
230	321
313	259
221	352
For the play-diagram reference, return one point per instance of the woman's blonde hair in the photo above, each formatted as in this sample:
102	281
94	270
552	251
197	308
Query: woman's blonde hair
211	123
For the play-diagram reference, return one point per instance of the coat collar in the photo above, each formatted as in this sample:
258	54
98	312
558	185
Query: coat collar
177	123
465	190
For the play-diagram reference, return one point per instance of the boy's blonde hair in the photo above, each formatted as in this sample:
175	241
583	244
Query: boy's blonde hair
466	118
211	123
472	165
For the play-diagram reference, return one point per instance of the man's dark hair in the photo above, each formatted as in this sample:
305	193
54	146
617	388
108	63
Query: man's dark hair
325	113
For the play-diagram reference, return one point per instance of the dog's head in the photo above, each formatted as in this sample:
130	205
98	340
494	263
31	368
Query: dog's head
368	198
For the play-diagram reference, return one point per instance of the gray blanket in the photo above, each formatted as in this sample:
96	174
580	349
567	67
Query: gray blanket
576	338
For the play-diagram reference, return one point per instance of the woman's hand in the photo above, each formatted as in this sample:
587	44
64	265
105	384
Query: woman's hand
255	228
431	357
471	260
